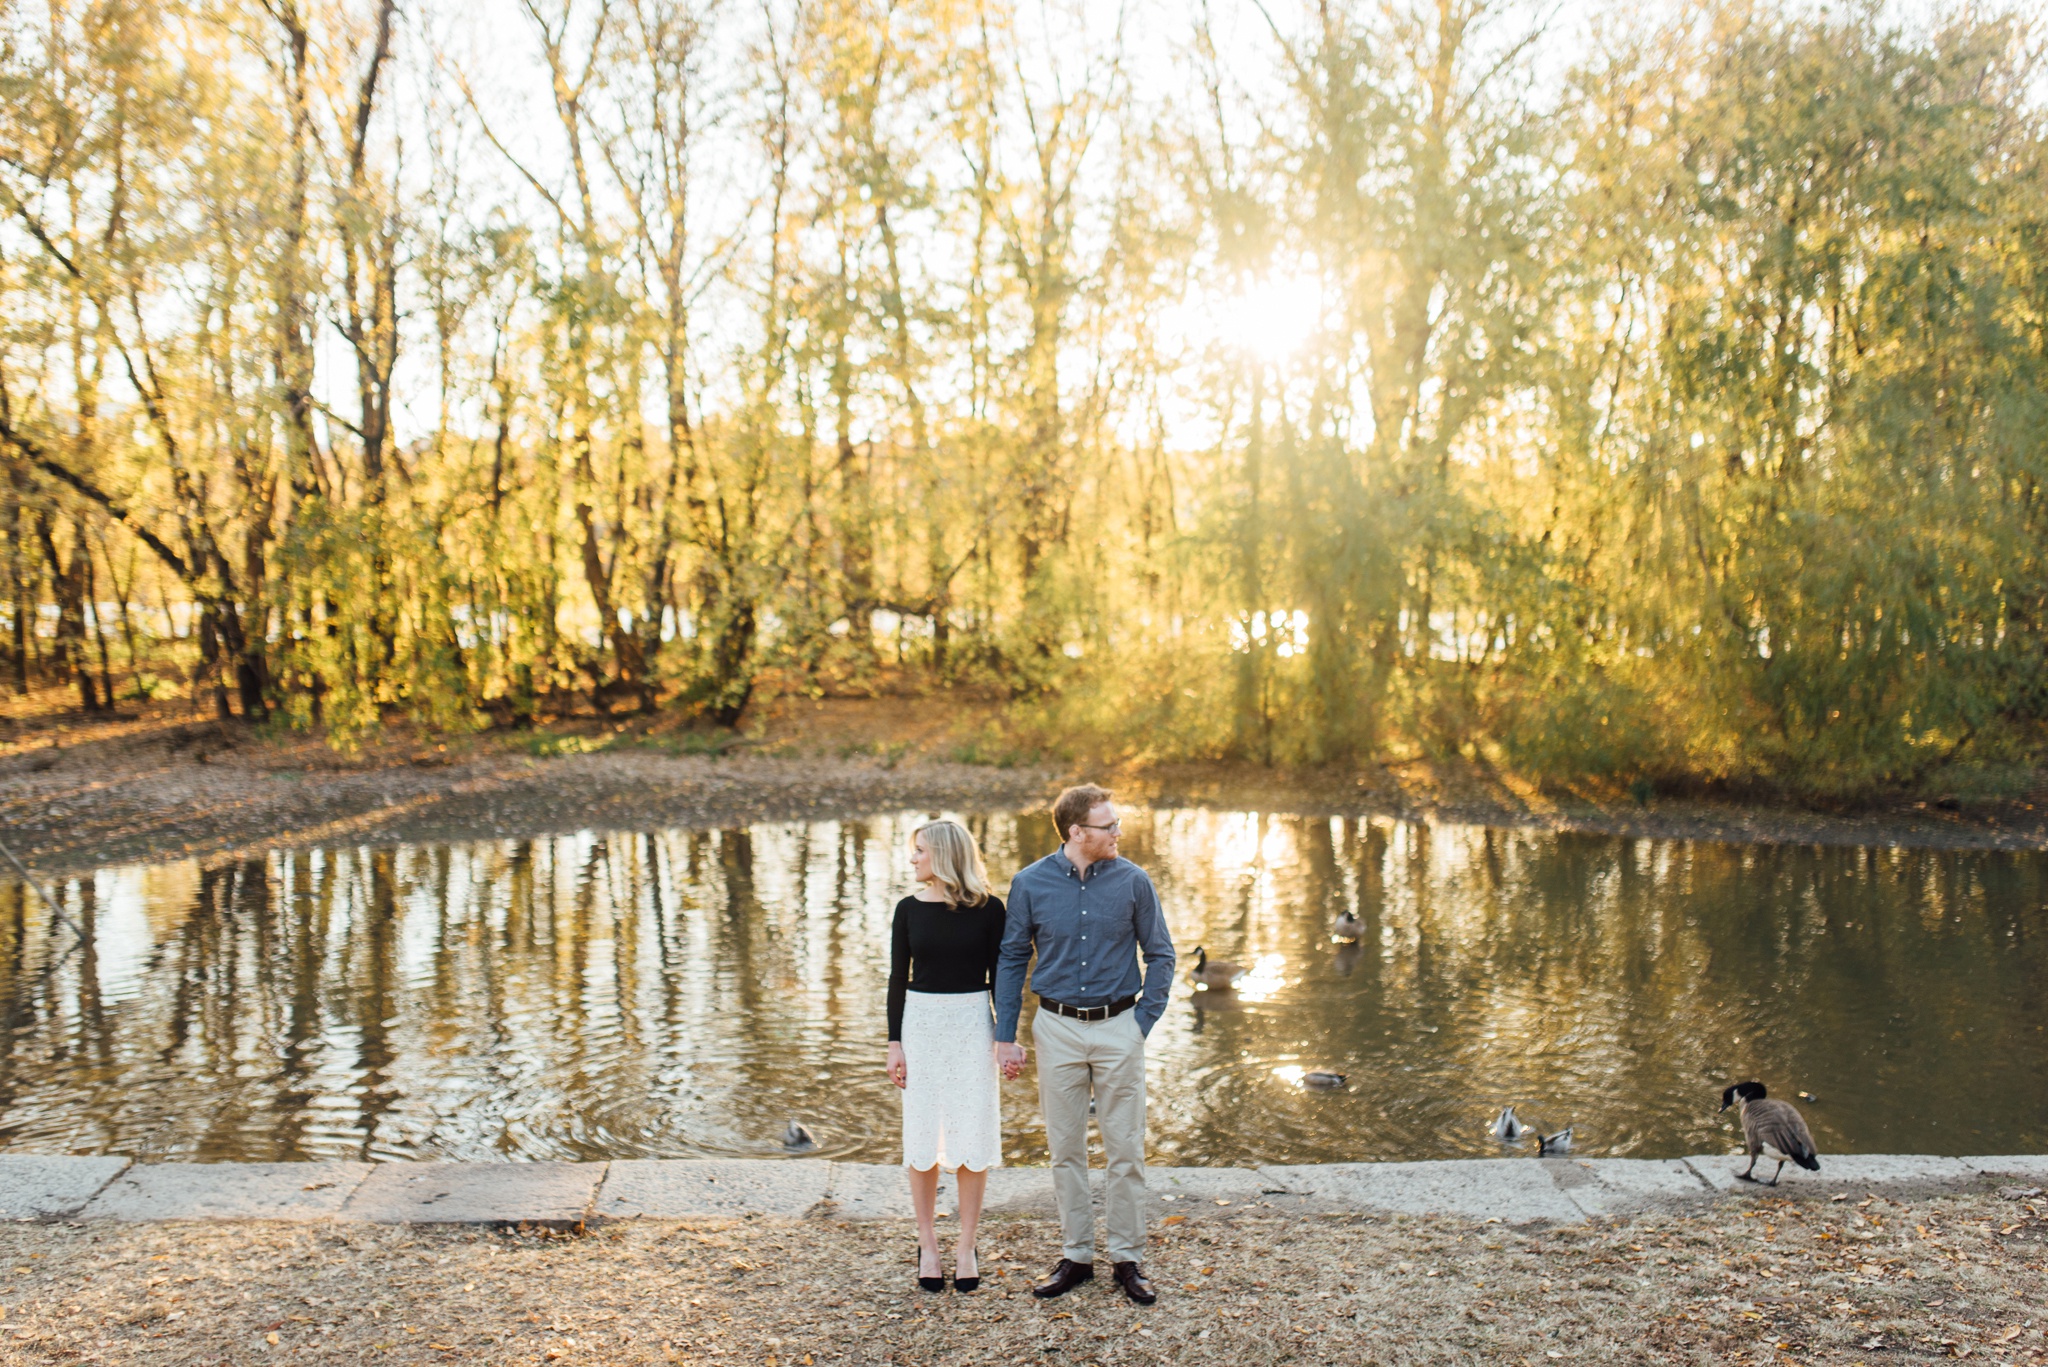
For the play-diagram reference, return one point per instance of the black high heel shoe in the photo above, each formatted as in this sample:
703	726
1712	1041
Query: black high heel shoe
967	1284
924	1283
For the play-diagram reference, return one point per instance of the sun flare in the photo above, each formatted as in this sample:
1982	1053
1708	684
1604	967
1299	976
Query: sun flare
1273	320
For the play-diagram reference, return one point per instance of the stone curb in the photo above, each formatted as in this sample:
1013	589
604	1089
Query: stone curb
1511	1191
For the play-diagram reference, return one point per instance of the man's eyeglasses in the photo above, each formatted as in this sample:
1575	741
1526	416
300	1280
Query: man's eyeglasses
1113	827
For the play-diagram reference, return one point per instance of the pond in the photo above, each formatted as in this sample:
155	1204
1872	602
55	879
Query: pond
686	993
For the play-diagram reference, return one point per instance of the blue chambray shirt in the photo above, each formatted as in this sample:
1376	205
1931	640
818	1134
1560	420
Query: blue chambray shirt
1088	933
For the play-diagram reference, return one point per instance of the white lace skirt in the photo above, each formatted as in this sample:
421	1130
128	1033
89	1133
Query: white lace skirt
952	1103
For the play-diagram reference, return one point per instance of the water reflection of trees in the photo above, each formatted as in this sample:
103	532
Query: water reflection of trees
685	993
665	992
1627	979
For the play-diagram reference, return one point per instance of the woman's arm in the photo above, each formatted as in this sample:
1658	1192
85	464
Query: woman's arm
899	971
993	924
899	983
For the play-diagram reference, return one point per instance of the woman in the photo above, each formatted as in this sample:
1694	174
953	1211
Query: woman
942	962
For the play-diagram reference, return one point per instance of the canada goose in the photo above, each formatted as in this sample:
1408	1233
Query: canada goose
1508	1127
1322	1079
1218	973
1561	1142
797	1139
1772	1129
1347	928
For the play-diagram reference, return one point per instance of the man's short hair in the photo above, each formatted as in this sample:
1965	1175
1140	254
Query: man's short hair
1072	807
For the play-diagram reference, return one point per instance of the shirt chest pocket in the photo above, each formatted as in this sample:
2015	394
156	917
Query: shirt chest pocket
1096	924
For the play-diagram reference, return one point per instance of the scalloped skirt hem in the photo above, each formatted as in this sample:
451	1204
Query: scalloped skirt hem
952	1167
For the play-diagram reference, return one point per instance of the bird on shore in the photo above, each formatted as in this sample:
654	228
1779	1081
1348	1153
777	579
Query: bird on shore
1561	1142
1346	928
1322	1079
1216	973
1770	1129
1508	1127
797	1139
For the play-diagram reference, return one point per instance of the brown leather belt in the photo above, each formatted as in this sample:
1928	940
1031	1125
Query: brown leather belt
1089	1013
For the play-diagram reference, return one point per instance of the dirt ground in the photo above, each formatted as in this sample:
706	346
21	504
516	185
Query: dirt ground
1794	1280
160	781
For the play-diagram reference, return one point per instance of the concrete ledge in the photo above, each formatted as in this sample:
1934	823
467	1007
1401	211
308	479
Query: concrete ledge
877	1191
565	1195
2031	1167
1836	1170
1617	1186
1183	1191
35	1187
1514	1191
559	1194
680	1189
229	1191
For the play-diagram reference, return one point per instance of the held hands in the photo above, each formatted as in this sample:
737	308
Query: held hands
1010	1058
898	1070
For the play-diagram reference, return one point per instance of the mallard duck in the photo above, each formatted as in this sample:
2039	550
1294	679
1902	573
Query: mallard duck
1346	928
1770	1129
1561	1142
1216	973
1322	1078
1508	1127
797	1139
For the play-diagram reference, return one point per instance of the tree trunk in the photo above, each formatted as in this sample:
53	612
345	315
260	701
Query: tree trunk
68	584
99	628
18	590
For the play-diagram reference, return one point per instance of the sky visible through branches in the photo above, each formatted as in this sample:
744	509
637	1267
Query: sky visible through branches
1644	394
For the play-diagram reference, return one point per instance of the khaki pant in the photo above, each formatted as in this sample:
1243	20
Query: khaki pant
1105	1059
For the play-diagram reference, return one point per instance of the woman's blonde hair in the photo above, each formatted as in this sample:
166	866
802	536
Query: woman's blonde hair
956	862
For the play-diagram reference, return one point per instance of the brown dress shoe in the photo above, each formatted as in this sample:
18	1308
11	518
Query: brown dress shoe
1134	1284
1064	1278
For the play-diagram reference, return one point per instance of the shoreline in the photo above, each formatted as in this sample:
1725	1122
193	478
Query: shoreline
571	1196
88	794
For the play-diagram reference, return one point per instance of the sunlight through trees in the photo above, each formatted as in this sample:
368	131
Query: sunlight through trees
1661	401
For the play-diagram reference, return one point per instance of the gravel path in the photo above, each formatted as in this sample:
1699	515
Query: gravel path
1800	1279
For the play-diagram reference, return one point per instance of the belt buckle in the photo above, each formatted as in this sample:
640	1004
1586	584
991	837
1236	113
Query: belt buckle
1088	1013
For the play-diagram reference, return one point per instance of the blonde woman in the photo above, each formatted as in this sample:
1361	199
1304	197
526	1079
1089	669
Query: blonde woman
942	961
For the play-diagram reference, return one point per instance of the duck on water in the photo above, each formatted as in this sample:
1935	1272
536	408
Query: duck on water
1217	974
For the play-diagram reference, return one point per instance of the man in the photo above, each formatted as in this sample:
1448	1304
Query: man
1089	915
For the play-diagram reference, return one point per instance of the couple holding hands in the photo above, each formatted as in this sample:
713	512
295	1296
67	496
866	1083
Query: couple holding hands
1089	916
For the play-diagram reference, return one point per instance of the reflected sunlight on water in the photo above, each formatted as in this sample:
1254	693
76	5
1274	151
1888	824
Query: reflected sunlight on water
685	993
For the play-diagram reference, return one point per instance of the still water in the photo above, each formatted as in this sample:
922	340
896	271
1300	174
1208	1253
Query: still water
686	993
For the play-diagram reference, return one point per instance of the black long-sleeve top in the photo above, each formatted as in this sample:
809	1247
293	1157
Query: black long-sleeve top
934	947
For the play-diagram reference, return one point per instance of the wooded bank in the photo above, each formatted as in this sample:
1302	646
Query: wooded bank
1661	400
